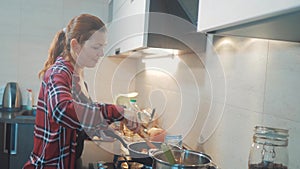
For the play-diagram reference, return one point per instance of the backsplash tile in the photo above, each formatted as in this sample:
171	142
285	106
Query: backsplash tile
294	136
283	84
230	144
244	62
174	91
27	28
9	47
263	89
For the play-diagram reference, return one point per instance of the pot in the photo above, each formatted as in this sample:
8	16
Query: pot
184	159
138	151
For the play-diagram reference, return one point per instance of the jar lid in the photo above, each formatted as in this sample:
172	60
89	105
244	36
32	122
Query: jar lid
271	133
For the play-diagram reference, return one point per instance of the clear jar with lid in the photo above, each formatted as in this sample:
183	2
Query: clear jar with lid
269	149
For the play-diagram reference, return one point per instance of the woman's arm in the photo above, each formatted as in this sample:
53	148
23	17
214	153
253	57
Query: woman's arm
68	109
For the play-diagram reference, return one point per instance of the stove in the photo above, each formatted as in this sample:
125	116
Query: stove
119	162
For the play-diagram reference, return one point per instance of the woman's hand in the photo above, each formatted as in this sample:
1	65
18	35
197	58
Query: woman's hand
131	120
102	135
157	134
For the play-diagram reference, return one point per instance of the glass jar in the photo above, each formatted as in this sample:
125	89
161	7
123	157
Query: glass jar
269	149
175	140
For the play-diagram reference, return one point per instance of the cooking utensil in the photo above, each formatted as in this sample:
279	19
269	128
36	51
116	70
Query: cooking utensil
152	146
150	122
183	159
152	115
168	154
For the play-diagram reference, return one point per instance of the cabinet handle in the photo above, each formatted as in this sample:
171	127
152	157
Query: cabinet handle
14	141
5	149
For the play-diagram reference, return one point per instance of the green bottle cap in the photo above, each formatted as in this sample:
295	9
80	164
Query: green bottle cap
133	100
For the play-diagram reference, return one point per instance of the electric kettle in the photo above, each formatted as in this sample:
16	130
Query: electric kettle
12	98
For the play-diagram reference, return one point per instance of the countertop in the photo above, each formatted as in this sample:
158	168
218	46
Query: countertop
22	116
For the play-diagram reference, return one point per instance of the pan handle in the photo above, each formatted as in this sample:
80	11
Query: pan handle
151	152
111	133
213	165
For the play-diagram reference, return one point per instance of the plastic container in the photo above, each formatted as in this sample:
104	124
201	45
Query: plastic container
269	149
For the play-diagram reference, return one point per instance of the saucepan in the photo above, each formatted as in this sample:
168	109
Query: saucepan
183	159
138	151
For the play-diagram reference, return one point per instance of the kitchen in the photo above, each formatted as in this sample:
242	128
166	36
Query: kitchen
255	80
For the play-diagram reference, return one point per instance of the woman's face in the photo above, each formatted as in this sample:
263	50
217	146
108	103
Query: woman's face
92	50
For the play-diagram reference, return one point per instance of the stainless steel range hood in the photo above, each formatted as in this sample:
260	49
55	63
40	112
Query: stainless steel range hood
284	26
161	24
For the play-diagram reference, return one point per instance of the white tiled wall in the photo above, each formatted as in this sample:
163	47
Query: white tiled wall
262	89
111	77
26	30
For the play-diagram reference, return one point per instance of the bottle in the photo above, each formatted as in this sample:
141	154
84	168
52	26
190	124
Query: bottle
130	114
133	105
135	110
269	149
29	99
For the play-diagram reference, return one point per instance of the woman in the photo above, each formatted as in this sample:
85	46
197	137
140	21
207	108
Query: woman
64	107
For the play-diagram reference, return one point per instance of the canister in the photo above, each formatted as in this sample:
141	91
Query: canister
269	149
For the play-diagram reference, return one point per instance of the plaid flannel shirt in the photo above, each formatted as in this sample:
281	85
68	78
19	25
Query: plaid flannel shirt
62	111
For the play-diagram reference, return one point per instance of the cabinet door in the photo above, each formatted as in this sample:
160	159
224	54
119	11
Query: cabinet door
21	144
129	7
126	30
117	4
3	146
216	14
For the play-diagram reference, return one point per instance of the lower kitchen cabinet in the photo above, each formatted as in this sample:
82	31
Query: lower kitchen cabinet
16	143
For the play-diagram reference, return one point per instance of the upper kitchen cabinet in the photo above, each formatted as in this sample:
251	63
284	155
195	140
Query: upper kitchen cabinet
135	25
268	19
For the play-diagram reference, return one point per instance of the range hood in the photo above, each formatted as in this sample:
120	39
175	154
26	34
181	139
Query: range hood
283	26
136	25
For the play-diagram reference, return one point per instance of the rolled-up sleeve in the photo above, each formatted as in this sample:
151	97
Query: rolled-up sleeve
69	110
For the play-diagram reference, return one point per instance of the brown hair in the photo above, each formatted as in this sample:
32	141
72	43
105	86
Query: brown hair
80	28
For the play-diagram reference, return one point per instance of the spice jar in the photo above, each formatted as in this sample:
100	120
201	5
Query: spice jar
269	149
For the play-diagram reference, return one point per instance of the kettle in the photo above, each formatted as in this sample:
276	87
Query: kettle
12	98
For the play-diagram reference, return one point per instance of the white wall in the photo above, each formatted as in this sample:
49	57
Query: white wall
27	28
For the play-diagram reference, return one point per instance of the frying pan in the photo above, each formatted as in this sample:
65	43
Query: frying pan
136	148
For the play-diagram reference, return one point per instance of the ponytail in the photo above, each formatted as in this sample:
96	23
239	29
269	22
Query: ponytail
56	49
80	28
